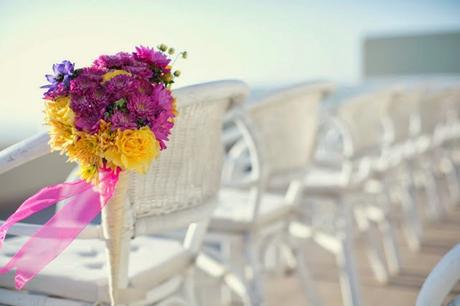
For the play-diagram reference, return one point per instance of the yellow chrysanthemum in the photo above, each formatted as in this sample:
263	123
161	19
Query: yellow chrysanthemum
106	137
133	149
174	107
113	73
89	173
60	117
85	150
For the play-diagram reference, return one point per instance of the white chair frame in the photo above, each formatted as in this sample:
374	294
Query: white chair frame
227	94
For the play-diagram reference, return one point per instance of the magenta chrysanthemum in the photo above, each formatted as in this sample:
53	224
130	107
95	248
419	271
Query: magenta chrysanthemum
142	105
123	120
151	56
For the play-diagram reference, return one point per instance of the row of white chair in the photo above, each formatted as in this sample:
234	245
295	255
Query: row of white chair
268	173
394	140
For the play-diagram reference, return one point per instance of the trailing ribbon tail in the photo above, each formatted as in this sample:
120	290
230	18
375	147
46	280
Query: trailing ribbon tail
45	198
84	204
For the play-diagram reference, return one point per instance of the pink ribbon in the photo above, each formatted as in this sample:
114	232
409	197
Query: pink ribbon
84	204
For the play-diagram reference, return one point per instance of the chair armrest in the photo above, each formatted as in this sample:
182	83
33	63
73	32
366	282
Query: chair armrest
441	280
25	229
24	151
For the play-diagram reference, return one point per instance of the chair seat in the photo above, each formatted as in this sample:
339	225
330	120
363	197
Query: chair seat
234	211
80	273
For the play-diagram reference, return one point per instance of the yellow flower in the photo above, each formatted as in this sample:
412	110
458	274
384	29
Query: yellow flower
60	117
59	109
89	173
113	73
85	150
106	137
133	149
174	108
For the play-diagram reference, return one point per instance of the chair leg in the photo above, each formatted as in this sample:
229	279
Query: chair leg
254	281
217	270
289	257
390	247
189	287
374	249
453	183
437	210
376	253
310	289
387	227
349	282
412	225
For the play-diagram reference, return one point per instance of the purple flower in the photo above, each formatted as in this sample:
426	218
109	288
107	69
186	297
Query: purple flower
161	126
88	111
60	90
151	57
86	81
88	122
142	105
62	75
121	86
161	121
116	61
123	120
125	61
163	96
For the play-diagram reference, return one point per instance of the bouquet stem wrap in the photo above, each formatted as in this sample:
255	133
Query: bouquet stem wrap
84	204
116	227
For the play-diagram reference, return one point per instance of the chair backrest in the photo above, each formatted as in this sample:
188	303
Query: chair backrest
361	117
401	111
287	123
187	174
181	186
431	108
278	137
443	100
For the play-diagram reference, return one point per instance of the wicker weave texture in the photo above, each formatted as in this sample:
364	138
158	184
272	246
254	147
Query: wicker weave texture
362	117
287	124
188	172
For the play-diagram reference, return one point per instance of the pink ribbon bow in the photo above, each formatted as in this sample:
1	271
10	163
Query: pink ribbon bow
84	204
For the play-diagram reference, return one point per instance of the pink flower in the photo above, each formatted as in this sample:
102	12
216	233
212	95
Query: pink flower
123	120
125	61
163	96
161	121
161	126
151	56
143	105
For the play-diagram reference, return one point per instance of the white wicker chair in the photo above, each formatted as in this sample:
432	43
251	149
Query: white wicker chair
279	132
179	191
400	116
359	121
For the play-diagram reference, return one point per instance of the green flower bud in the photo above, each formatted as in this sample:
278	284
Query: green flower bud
168	78
177	73
162	47
184	54
171	51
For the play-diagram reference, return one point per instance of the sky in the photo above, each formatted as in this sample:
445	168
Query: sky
264	42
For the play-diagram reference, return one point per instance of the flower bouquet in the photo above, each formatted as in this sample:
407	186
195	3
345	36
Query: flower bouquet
113	116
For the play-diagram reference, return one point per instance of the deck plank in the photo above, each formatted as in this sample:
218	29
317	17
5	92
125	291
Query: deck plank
401	290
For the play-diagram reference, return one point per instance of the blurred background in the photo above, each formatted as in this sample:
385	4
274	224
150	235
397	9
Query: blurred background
266	43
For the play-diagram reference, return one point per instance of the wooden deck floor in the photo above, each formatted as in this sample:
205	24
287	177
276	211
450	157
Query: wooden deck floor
401	290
